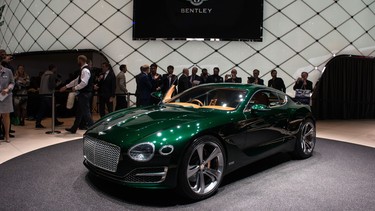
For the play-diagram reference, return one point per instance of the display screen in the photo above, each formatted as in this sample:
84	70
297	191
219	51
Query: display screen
207	19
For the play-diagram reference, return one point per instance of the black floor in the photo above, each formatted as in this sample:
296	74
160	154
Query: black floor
339	176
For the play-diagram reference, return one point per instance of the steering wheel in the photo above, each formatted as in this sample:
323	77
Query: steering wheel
197	101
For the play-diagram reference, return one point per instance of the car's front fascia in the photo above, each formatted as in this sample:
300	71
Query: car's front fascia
169	131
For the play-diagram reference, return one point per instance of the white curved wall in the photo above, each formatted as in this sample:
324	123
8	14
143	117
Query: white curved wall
299	35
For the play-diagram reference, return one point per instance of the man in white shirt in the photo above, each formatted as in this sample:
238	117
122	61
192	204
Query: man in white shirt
83	85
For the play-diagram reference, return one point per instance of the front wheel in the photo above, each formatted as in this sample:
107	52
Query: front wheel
306	139
202	168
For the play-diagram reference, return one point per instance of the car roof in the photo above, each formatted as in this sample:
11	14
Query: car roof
249	87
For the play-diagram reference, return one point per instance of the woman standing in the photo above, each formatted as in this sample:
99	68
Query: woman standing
22	81
6	100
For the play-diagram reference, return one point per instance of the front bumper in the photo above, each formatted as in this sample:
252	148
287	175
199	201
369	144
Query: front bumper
152	177
110	162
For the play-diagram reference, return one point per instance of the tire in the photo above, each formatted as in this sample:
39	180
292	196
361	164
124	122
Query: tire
306	139
199	177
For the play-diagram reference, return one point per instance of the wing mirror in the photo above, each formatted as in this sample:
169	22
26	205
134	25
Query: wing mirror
157	95
260	107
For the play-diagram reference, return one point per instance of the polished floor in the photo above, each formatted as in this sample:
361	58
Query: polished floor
27	138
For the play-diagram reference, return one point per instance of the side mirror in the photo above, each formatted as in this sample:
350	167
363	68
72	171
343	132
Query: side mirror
157	95
260	107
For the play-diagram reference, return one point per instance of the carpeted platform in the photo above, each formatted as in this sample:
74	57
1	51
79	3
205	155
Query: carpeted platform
339	176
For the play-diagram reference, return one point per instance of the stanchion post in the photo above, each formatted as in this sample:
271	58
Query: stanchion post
128	99
53	131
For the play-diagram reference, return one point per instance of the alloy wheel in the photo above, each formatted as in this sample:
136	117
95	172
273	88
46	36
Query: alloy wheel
308	137
205	168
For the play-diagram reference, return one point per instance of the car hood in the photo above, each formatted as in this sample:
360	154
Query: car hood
131	126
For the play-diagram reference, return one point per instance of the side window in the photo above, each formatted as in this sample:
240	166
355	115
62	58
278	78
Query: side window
273	99
283	99
267	98
260	97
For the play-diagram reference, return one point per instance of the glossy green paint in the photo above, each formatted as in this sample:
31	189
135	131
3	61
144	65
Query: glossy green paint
161	125
178	126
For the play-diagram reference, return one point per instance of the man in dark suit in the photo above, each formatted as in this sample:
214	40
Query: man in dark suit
204	76
183	81
255	78
215	78
168	80
106	86
276	82
156	80
194	78
144	87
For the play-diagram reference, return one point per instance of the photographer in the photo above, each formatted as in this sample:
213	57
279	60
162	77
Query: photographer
303	83
232	78
303	88
255	78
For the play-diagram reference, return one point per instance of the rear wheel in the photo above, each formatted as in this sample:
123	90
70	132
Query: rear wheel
306	139
202	168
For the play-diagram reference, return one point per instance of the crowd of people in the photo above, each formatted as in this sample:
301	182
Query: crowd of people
149	81
17	89
110	88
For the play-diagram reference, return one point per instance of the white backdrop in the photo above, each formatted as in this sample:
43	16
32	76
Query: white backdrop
298	35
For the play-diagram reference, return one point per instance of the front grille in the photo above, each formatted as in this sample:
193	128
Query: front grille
101	154
147	175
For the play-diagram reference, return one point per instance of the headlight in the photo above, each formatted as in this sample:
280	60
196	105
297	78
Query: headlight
142	152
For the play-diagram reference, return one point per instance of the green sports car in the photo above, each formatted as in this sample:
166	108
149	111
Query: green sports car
192	140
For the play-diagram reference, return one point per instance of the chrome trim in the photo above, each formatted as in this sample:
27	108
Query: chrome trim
101	154
162	174
166	146
151	174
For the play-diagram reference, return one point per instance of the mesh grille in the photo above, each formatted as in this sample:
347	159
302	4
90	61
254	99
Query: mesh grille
101	154
147	175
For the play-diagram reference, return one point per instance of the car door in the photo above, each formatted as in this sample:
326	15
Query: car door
265	123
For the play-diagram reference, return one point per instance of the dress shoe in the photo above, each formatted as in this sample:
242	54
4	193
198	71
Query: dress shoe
12	131
39	126
11	136
70	130
30	118
58	123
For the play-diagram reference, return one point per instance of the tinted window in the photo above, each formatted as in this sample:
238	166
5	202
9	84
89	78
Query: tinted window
210	97
267	98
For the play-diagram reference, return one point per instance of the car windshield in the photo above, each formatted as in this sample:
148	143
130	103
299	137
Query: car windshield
211	97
